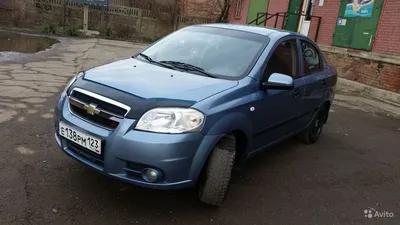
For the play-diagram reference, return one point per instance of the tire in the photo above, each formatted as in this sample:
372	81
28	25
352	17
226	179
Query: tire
217	174
312	133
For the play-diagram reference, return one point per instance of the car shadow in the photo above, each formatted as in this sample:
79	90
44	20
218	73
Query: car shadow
118	196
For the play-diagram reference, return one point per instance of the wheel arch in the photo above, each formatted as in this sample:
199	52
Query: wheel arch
240	130
326	107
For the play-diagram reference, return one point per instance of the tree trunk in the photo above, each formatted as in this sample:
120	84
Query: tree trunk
223	17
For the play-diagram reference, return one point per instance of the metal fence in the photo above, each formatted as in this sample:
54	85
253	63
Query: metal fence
278	20
151	21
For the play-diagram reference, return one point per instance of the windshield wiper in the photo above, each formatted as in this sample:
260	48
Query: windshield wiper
188	67
150	60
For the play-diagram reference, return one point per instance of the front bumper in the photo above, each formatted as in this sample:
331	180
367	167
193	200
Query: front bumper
126	152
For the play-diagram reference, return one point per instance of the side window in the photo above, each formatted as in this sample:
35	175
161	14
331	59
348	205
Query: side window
311	60
283	60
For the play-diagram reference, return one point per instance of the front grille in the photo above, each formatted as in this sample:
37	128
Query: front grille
86	154
107	123
97	109
101	104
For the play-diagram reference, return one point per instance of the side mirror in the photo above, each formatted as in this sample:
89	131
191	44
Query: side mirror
279	81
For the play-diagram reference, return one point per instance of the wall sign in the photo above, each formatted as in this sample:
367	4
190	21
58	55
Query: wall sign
92	2
362	8
342	22
321	3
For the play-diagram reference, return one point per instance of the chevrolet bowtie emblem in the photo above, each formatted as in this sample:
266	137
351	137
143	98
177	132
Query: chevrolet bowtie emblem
91	109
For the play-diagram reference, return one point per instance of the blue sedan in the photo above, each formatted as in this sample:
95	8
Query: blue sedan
188	108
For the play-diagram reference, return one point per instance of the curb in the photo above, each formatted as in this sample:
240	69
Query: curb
367	105
348	86
351	94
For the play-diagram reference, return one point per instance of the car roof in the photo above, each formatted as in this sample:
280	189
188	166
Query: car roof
270	32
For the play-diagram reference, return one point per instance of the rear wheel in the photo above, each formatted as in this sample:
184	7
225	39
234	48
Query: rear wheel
214	184
312	133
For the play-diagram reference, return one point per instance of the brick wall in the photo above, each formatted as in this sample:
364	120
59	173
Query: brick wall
275	6
388	30
370	72
242	19
329	13
388	34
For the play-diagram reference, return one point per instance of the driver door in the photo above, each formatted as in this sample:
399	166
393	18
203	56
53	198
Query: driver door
279	110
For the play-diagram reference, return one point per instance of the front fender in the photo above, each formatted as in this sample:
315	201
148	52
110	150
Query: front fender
227	123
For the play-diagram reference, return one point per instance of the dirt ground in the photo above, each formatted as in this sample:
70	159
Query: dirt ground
354	166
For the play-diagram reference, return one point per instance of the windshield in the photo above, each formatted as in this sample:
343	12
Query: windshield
222	52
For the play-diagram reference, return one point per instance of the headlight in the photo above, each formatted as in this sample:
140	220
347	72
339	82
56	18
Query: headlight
171	120
64	93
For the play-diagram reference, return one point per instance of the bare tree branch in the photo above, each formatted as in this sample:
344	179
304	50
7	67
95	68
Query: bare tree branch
214	9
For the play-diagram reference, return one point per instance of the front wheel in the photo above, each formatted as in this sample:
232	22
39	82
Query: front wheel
214	186
312	133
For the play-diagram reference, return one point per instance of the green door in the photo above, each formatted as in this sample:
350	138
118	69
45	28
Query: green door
257	6
293	17
355	30
344	28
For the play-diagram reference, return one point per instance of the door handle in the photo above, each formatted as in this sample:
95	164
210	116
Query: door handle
296	93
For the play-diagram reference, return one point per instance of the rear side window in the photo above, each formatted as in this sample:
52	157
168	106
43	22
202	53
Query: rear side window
311	59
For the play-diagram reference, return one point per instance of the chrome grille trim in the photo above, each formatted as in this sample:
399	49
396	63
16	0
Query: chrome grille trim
101	117
102	98
102	113
88	121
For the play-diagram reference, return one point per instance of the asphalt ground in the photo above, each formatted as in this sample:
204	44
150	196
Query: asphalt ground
352	168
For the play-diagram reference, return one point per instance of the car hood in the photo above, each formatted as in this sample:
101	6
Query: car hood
149	81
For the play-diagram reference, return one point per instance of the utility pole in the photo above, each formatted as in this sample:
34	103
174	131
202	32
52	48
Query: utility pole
175	15
85	17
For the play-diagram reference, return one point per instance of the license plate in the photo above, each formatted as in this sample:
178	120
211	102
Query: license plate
85	140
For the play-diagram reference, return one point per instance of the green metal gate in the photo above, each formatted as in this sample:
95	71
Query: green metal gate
255	7
357	23
293	15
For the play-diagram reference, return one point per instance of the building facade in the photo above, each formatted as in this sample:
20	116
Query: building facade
360	37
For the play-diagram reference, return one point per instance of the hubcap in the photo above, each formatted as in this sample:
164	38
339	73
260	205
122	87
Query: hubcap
317	127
